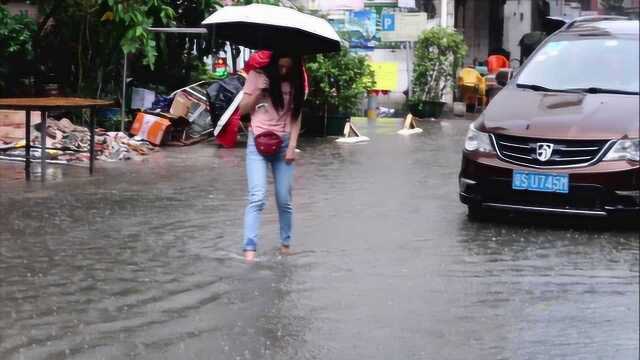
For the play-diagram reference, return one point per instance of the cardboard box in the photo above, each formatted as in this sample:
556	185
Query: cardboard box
178	127
150	127
177	122
181	105
142	98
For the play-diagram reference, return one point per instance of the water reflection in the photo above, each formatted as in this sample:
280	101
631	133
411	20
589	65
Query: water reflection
548	284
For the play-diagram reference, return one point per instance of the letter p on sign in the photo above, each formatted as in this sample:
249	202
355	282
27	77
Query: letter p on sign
388	22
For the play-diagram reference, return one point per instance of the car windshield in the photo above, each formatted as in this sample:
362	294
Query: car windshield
603	63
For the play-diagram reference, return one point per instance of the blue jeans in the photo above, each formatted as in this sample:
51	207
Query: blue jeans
257	166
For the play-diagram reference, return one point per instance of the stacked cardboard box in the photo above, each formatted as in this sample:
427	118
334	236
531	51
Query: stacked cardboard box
188	117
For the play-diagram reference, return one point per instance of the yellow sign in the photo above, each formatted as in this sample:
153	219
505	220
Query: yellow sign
386	75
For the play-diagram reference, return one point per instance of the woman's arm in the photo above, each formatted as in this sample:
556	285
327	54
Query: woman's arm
293	139
248	103
255	84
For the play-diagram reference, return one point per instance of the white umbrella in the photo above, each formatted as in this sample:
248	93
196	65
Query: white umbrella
266	27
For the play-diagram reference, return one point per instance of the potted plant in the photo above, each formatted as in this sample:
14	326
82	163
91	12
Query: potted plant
338	82
439	52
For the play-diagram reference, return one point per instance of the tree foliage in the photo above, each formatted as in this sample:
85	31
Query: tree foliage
81	43
339	80
439	53
15	47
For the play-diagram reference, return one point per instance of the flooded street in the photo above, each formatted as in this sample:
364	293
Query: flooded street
143	261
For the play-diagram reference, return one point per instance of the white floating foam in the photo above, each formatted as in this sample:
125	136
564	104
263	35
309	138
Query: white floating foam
410	131
353	140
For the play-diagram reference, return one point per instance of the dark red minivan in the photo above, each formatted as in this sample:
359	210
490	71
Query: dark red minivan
563	135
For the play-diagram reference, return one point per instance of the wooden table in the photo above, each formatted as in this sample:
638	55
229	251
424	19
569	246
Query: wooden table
48	104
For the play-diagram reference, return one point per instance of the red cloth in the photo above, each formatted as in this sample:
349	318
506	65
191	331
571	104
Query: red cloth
257	60
495	63
229	135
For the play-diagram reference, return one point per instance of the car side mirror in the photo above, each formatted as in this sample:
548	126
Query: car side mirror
503	77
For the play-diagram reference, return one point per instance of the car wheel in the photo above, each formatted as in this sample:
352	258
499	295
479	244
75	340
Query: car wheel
471	108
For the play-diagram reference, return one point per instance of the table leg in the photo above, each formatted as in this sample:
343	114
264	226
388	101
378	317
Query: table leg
27	146
43	144
92	142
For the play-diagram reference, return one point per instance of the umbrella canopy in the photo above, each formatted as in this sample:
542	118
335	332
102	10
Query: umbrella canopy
267	27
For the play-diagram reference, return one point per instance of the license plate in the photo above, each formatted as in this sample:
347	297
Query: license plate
524	180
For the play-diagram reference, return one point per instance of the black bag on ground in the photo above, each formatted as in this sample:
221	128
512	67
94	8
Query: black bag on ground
221	95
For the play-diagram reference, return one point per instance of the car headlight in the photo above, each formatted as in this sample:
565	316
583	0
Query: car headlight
624	150
477	141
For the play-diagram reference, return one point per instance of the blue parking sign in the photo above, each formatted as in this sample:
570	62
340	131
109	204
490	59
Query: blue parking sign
388	22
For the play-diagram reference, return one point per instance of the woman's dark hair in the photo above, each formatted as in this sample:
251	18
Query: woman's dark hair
295	78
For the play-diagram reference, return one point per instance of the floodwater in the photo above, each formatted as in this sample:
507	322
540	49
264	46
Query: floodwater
143	261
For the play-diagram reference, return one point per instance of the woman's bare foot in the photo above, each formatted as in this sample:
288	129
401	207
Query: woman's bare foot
249	256
285	250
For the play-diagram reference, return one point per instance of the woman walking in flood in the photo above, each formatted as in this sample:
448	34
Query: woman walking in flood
273	96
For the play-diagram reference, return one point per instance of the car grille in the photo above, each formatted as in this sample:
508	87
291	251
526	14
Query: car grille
565	153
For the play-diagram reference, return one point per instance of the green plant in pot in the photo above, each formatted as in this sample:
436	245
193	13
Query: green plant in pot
439	53
338	82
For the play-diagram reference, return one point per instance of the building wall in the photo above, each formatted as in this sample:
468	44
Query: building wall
396	98
517	22
476	30
596	5
450	11
572	10
555	7
576	8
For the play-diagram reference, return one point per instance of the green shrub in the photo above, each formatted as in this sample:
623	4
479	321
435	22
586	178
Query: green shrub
338	81
439	53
